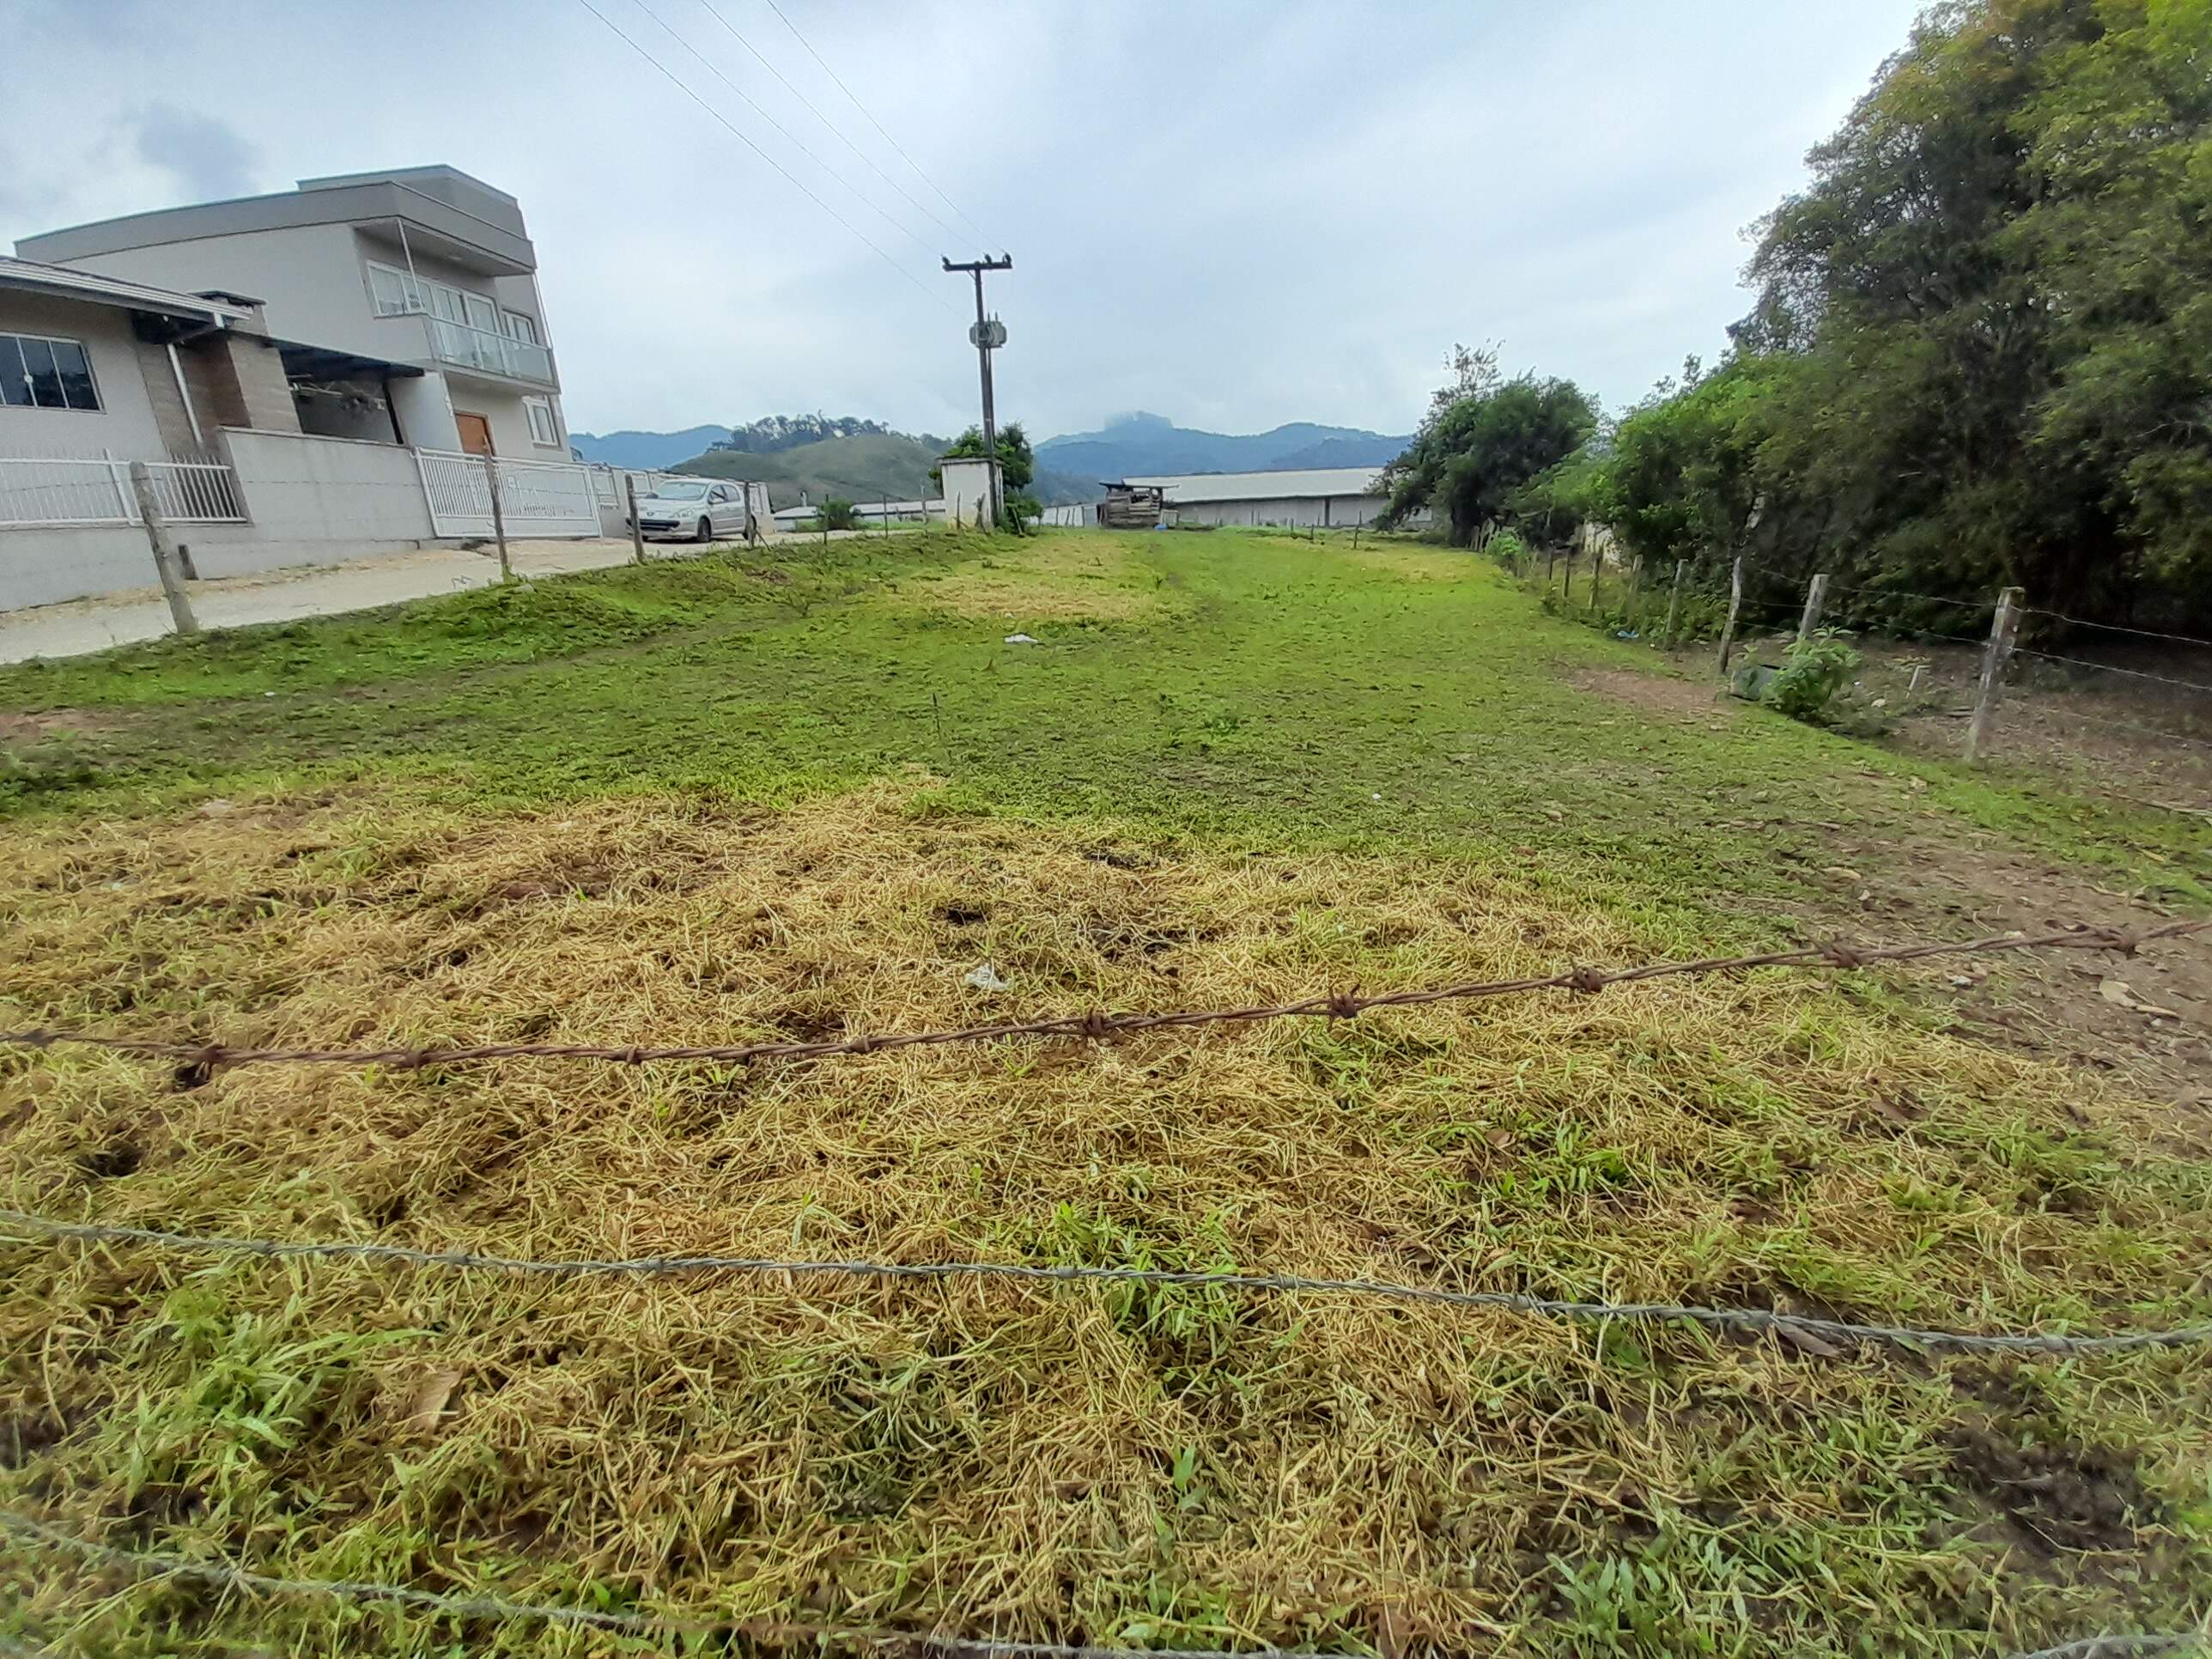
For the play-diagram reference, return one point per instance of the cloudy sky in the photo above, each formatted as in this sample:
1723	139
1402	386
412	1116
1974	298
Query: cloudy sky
1236	214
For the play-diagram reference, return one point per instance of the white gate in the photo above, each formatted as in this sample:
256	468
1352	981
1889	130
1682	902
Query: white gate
536	498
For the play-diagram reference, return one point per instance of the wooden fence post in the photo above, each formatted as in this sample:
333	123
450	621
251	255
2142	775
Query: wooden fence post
1597	576
1815	596
1550	553
2003	630
636	530
498	518
1736	604
165	552
1635	590
1674	599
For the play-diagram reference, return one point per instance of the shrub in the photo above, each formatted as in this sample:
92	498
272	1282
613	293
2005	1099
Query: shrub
838	516
1814	670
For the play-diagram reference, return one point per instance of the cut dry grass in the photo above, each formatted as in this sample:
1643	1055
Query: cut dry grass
1120	1464
1051	579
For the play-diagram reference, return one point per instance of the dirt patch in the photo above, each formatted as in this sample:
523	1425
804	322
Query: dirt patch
1649	691
2054	1498
22	729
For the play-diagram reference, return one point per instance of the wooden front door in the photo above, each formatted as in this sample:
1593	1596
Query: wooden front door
476	433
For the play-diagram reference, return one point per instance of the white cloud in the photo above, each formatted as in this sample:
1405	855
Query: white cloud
1233	214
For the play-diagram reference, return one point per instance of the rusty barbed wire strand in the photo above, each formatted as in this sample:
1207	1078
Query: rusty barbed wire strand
1756	1320
1098	1025
446	1604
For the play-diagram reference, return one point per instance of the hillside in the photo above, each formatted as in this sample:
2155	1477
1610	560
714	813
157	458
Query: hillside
646	449
1141	444
874	467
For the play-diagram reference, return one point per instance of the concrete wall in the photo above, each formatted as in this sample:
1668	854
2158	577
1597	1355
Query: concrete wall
312	501
510	426
1335	512
124	421
970	498
327	489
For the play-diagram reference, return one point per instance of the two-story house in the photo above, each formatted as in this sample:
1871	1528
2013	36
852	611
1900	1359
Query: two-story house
406	303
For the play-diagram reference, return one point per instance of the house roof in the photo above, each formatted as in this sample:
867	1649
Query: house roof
1312	484
60	281
443	209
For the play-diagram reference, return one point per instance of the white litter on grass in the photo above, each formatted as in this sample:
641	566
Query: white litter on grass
984	977
1022	639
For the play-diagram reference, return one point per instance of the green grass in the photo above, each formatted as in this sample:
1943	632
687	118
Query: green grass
1282	692
741	796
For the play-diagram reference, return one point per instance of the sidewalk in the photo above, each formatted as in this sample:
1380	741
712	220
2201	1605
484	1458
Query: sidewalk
86	625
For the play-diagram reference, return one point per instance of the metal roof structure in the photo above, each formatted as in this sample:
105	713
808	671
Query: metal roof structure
1313	484
62	282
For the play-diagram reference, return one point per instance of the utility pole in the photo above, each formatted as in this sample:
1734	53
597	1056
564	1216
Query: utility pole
986	335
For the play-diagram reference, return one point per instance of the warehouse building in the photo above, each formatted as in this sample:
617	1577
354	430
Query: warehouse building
1330	497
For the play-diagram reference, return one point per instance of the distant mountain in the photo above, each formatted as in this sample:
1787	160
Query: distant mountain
646	449
1138	445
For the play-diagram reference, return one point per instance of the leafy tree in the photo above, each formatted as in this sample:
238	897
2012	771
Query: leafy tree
1478	448
838	516
1016	461
1985	328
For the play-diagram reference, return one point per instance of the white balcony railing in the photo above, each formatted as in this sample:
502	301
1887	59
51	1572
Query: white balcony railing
480	348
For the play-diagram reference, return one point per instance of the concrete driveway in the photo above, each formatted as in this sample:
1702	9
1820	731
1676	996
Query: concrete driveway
85	625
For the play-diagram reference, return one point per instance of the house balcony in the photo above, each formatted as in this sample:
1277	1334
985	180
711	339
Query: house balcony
481	351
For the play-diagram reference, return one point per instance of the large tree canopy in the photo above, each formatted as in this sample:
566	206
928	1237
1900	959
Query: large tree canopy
1483	443
1982	346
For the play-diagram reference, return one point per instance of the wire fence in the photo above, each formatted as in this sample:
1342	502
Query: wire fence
476	1605
1747	1320
1098	1025
1814	1335
224	1576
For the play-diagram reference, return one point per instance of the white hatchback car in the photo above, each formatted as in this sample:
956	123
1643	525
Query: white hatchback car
687	506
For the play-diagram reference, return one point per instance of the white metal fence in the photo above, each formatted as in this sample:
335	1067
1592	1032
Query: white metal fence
55	490
536	498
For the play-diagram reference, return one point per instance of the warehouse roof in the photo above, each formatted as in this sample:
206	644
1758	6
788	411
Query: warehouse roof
1313	483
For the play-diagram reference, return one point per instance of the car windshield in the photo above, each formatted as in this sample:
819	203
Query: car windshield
680	492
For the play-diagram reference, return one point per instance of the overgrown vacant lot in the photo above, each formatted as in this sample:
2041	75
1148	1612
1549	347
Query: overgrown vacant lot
741	799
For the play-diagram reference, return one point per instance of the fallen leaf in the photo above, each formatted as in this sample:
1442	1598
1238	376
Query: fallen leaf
1393	1631
2119	991
1502	1139
428	1404
1804	1342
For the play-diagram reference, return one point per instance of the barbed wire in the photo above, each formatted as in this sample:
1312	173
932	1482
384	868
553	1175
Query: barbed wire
1097	1025
2117	628
1738	1319
222	1574
2108	668
1903	593
225	1576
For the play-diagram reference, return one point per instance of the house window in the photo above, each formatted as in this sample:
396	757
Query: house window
397	293
38	371
522	328
542	429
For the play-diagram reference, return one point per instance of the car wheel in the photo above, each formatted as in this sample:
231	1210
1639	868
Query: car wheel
706	532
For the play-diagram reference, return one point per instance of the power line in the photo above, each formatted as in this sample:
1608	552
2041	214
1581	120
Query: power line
712	69
874	123
1737	1319
921	208
684	87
